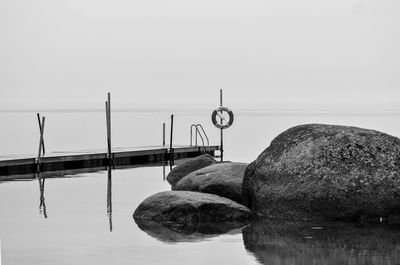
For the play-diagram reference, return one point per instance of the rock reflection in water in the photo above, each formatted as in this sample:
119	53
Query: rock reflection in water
279	242
171	232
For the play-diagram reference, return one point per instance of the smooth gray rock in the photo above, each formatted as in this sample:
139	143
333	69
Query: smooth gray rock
190	208
193	164
223	179
319	171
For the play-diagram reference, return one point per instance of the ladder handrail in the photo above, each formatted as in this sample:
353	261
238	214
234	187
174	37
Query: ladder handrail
198	127
198	132
191	134
201	127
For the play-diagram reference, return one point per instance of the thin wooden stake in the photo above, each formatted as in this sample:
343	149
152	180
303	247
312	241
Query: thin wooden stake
40	129
41	141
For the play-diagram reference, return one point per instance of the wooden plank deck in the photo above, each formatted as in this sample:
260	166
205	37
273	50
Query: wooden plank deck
56	161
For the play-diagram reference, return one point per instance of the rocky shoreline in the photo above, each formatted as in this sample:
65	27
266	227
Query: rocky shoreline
309	172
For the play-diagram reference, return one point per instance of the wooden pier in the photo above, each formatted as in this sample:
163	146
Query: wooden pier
19	167
120	157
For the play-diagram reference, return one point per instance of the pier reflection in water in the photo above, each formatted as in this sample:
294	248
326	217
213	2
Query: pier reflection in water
82	222
41	177
109	198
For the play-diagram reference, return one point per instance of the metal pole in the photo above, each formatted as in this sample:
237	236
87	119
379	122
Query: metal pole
163	134
221	133
171	150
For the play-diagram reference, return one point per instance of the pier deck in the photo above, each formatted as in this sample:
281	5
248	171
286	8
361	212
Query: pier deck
55	161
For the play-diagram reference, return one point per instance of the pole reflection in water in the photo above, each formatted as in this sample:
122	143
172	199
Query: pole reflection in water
164	171
42	205
109	199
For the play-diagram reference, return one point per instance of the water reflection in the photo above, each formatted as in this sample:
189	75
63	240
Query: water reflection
42	205
289	243
109	199
171	232
164	175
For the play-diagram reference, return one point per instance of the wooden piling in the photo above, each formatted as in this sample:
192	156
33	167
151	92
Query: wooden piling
171	150
163	137
221	130
108	121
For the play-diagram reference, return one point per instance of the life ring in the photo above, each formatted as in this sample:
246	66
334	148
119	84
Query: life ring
217	113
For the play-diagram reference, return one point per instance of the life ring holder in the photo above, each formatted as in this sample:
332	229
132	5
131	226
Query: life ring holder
215	114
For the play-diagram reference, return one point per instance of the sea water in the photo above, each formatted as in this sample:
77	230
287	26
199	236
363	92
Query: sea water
76	225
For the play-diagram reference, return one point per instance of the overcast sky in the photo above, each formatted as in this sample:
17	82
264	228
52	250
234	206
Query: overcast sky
70	53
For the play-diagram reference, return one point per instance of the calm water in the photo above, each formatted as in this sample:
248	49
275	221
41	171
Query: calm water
77	227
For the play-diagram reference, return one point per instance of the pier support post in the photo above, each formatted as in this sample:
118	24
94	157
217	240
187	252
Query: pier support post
171	150
163	134
108	121
222	131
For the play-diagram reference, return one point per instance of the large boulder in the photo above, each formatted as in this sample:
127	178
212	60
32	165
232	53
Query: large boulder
223	179
193	164
189	207
325	171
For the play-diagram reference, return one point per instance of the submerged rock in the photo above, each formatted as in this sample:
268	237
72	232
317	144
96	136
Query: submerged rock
173	232
223	179
288	243
191	208
193	164
325	171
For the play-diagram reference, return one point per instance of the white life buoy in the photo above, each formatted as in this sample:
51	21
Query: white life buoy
218	113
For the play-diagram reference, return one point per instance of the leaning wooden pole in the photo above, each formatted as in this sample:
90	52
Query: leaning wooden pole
40	130
41	150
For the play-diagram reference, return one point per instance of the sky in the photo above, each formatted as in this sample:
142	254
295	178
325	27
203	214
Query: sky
263	54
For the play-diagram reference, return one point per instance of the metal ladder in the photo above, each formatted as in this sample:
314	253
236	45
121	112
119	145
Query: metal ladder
198	131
